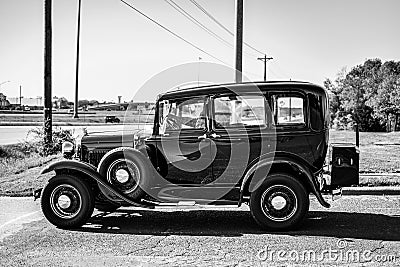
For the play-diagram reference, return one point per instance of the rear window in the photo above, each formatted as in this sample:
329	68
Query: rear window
288	110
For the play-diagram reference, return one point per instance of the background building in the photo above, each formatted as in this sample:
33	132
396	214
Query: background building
4	103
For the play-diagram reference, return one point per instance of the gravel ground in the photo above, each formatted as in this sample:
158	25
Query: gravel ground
215	236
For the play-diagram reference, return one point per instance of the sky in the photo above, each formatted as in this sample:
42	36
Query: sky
309	40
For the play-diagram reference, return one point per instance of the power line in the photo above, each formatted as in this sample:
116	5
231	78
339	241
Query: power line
221	25
282	71
211	16
202	26
195	21
171	32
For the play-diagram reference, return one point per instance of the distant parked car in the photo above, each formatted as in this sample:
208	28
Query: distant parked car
112	119
27	109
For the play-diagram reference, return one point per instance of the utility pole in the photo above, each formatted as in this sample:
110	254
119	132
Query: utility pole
77	63
20	96
47	72
358	117
265	59
198	72
239	41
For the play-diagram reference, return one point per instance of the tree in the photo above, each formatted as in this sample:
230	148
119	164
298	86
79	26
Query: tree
93	103
63	102
83	103
357	95
388	97
334	101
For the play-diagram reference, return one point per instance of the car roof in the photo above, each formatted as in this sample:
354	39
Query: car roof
243	88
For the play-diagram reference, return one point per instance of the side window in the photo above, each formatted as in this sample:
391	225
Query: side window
183	114
288	109
239	111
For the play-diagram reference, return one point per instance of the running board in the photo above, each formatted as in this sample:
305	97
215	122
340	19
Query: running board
189	203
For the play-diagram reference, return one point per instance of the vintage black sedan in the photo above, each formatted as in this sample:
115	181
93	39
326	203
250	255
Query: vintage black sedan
262	144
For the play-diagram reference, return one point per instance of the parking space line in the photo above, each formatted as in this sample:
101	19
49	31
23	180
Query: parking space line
18	218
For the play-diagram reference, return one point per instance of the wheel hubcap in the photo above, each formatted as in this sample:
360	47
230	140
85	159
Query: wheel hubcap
122	176
65	201
279	203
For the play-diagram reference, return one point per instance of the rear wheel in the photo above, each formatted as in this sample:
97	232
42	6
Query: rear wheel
67	201
279	203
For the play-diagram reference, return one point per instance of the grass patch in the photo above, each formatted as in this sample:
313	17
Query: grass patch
17	158
379	152
20	165
387	180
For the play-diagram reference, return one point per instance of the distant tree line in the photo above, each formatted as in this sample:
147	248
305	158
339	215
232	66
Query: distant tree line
369	94
63	103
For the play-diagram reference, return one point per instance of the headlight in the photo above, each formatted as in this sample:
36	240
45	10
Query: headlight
67	149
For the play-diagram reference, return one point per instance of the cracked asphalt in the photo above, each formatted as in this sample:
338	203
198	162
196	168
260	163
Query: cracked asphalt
356	231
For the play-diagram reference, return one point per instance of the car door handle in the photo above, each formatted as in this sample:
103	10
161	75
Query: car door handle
202	137
214	135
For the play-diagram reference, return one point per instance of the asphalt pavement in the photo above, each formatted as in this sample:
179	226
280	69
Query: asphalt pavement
355	231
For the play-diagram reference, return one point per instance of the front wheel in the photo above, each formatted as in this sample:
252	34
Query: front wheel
279	203
67	201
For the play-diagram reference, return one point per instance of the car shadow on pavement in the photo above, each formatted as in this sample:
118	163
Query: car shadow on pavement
238	223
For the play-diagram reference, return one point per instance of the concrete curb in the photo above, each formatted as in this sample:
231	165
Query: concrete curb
373	190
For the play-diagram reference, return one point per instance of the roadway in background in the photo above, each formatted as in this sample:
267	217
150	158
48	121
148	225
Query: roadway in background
15	134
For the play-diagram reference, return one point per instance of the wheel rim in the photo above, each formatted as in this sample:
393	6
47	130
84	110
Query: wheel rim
65	201
279	203
124	175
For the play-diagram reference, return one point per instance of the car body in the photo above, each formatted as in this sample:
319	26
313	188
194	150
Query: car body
112	119
263	144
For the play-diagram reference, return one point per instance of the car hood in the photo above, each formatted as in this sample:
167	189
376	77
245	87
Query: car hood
116	138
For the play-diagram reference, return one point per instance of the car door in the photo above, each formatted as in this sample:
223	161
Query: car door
240	133
185	150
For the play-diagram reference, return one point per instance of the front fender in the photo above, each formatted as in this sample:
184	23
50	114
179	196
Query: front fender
90	171
266	162
80	166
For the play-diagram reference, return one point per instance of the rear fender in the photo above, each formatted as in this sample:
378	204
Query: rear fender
89	171
256	174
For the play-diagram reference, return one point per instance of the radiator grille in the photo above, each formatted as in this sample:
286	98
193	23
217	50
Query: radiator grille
96	155
93	157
